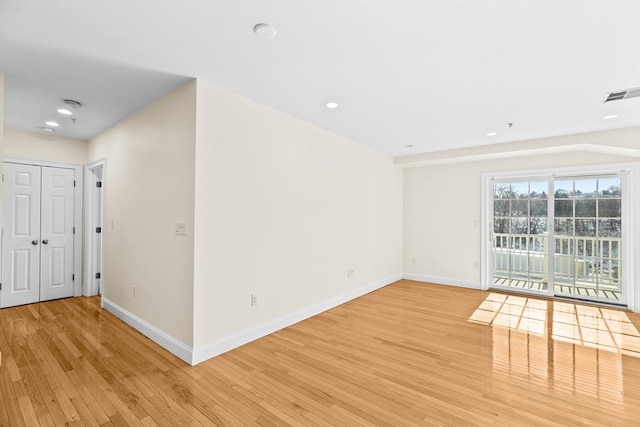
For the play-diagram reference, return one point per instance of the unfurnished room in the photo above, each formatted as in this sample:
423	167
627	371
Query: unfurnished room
320	213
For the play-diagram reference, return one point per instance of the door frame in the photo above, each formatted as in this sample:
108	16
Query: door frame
78	284
630	210
90	179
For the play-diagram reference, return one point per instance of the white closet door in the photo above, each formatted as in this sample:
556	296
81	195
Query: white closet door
56	272
21	237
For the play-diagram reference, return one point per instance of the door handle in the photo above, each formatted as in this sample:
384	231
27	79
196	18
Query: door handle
45	241
34	242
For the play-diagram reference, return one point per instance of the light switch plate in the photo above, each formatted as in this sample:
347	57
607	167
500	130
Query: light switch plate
181	228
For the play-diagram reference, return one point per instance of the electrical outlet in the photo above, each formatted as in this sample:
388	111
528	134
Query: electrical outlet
134	291
254	300
413	260
475	265
350	273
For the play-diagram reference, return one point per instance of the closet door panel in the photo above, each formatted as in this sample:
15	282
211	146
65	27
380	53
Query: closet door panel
21	236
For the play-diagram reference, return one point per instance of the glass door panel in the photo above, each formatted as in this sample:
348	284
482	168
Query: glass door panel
587	234
520	235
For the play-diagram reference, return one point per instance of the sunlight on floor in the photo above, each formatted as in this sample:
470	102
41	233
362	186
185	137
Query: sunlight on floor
589	326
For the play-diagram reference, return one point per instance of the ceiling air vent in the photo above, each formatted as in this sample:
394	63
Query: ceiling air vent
623	94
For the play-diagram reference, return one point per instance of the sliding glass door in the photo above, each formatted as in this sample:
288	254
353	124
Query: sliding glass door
558	236
520	234
588	238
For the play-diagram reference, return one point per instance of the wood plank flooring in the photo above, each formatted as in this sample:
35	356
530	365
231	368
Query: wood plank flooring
408	354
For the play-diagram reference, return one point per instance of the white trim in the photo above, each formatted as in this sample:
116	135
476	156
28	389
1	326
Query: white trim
447	281
594	148
631	234
88	226
164	340
207	351
77	212
486	236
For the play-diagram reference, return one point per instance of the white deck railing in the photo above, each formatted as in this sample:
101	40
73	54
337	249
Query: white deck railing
584	259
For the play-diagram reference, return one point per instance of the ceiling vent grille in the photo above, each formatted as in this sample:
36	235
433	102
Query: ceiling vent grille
623	94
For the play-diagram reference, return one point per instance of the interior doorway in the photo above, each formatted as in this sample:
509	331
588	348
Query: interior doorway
94	228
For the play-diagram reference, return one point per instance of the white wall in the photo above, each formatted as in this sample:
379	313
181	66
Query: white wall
442	200
283	210
46	147
149	186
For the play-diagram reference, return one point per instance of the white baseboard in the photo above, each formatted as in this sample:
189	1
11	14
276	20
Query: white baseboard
200	354
166	341
441	280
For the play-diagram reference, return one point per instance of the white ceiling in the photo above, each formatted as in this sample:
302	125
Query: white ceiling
433	74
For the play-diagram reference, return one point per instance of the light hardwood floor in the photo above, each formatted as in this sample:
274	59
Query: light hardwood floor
408	354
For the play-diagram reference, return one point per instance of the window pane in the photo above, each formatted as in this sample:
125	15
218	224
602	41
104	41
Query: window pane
520	208
502	191
586	208
563	208
609	187
564	227
609	208
501	225
538	190
519	225
563	189
609	228
501	208
538	208
520	190
585	227
537	225
585	188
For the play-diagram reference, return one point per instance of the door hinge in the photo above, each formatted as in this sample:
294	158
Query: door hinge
0	286
98	229
73	277
99	184
74	230
74	182
97	275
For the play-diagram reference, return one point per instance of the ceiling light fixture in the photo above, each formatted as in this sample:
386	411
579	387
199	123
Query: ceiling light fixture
45	129
264	30
492	134
332	105
52	123
610	116
64	111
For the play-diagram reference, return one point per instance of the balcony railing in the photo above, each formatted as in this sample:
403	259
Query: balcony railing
589	263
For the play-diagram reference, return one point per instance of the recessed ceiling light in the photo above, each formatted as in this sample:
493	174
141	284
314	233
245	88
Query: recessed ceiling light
264	30
64	111
52	123
45	129
492	134
610	116
332	105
